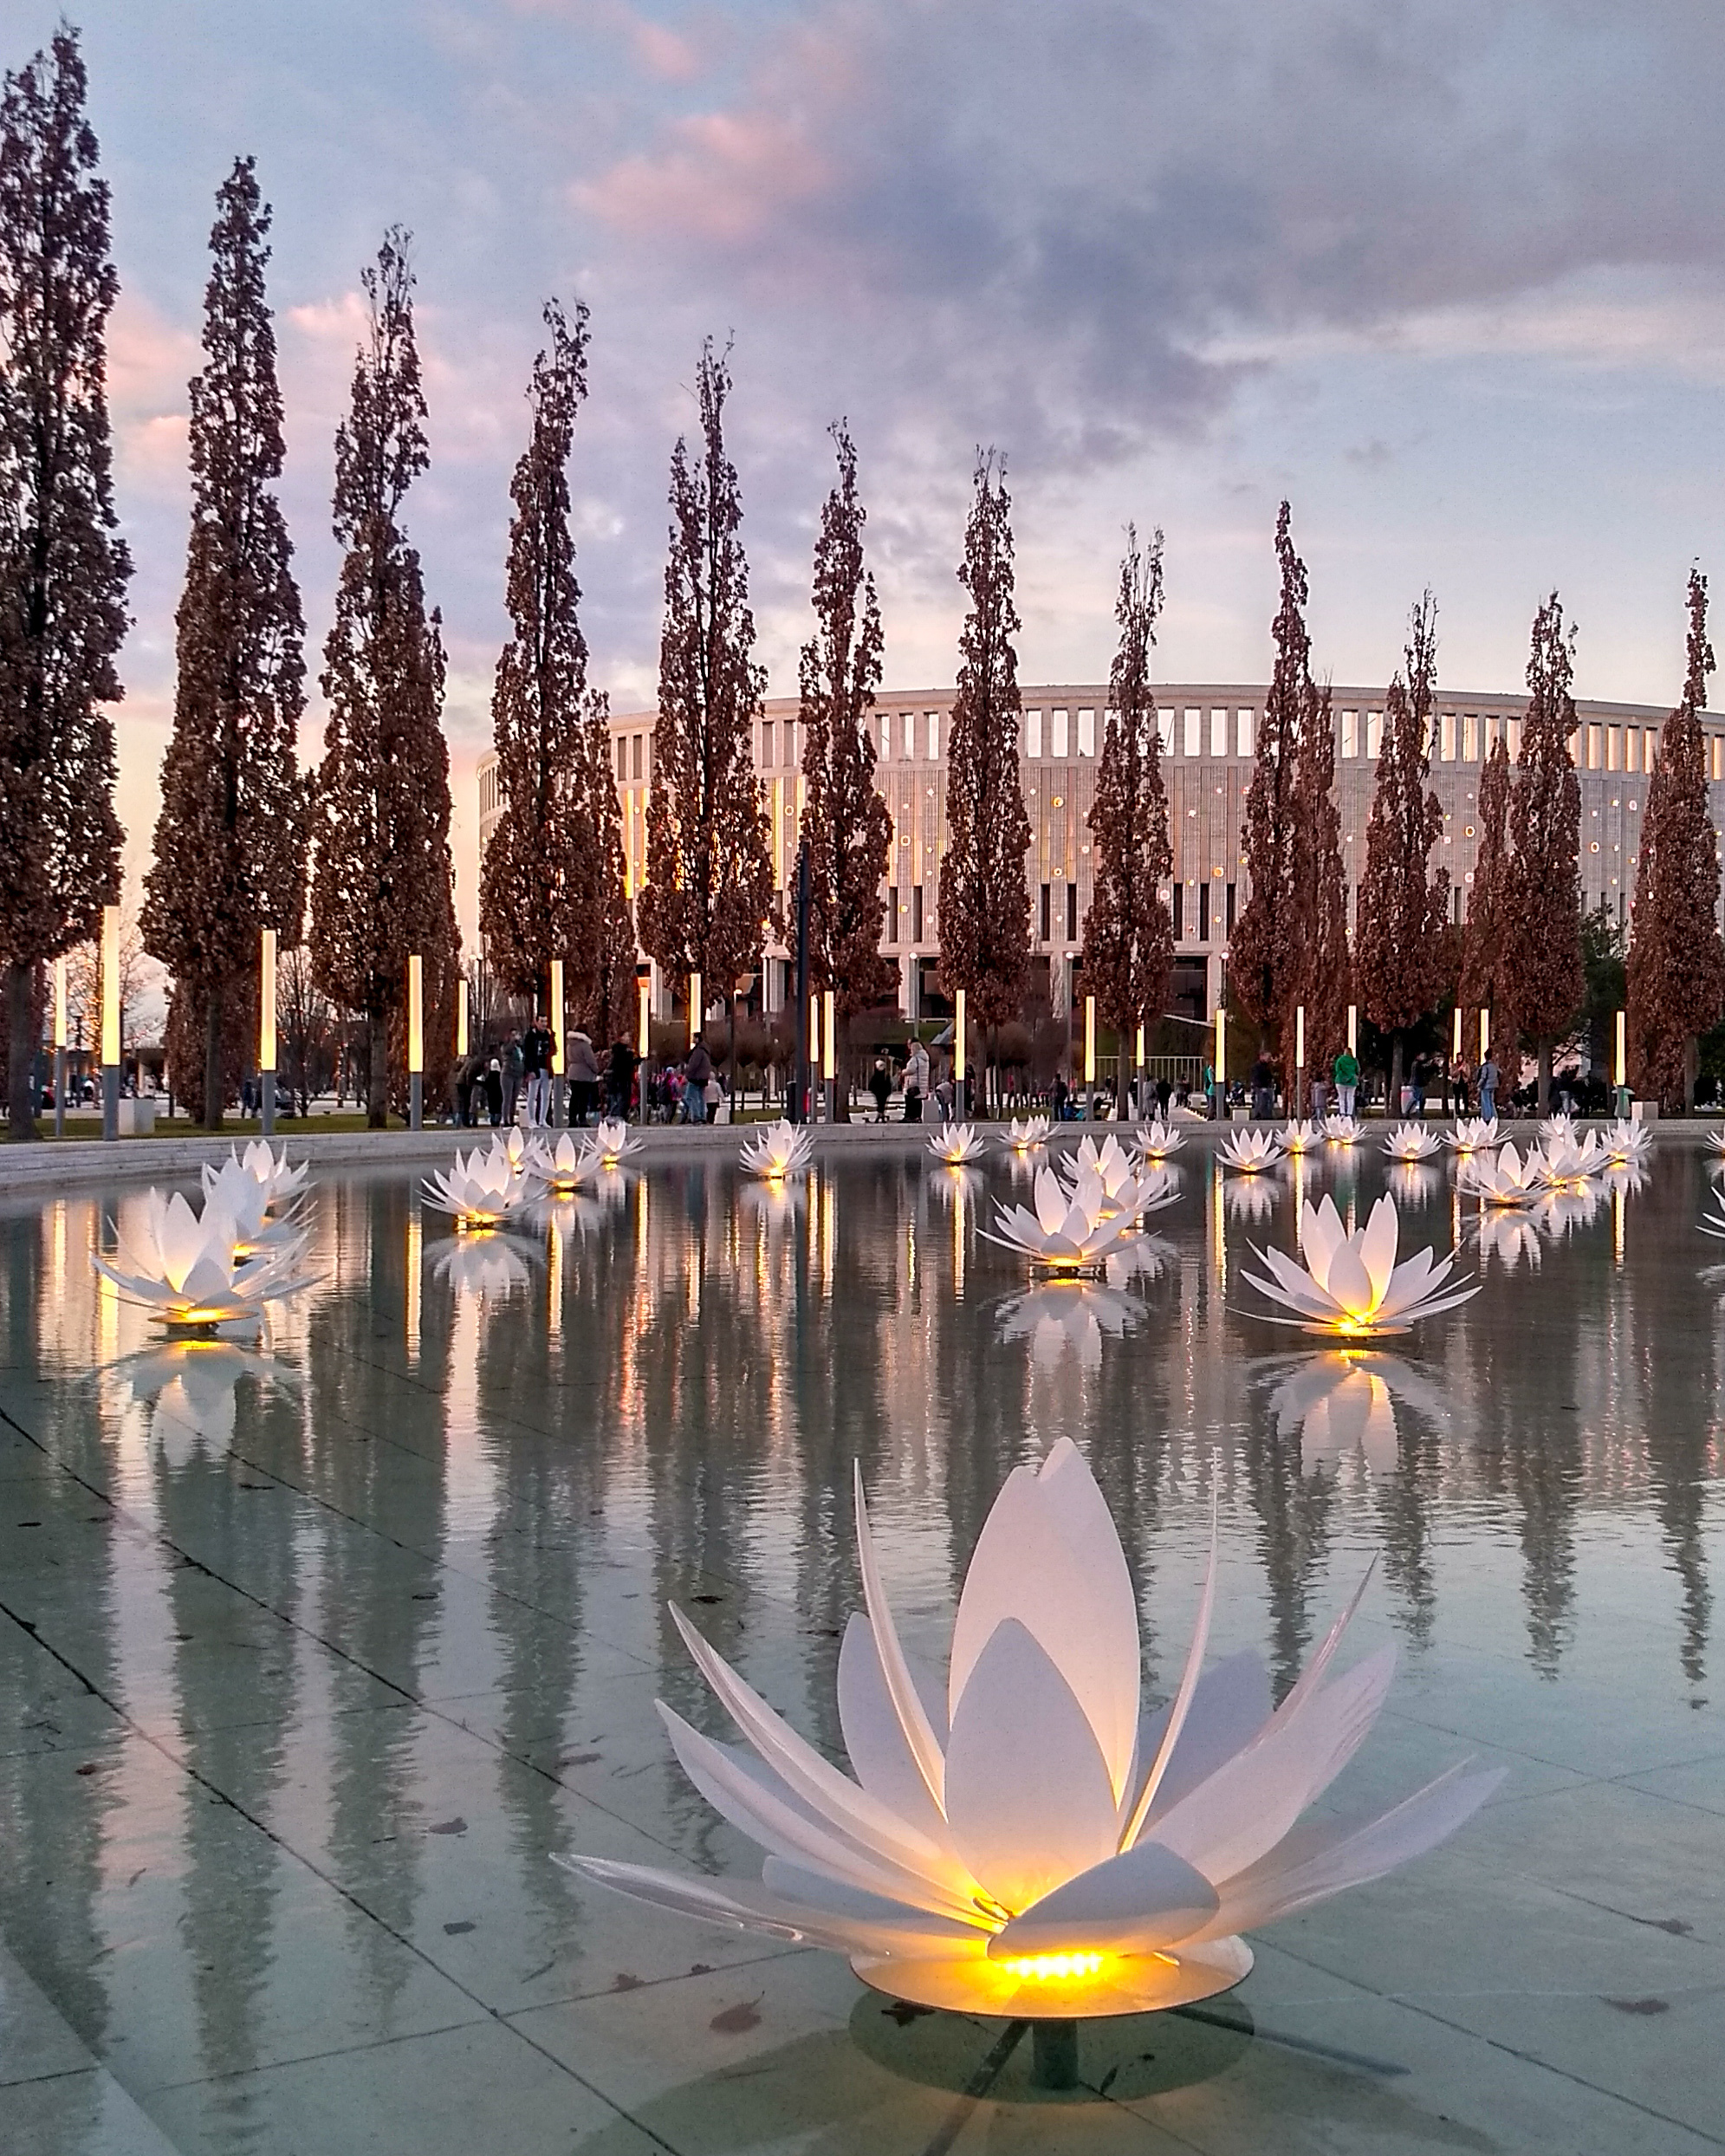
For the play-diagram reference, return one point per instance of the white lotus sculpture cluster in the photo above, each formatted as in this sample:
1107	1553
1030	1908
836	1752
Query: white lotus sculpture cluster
1502	1177
1566	1162
561	1168
612	1142
957	1144
237	1188
270	1171
1066	1231
1343	1130
479	1191
1160	1140
1128	1186
1553	1126
1028	1136
191	1270
1023	1840
1251	1151
1304	1136
1412	1141
777	1151
1625	1144
1352	1284
1473	1133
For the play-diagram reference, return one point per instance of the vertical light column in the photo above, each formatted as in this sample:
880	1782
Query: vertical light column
416	1042
829	1051
60	1030
1353	1028
958	1048
1485	1035
1221	1073
461	1016
644	999
816	1059
1623	1063
1089	1050
557	1027
694	1007
110	1022
1299	1058
1137	1089
266	1031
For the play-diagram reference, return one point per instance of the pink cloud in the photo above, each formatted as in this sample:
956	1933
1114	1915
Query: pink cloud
722	176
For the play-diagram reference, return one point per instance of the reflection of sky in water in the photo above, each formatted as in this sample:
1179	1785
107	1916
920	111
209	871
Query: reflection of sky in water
442	1505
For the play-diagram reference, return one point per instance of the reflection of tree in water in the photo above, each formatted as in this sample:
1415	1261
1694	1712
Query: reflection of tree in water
1671	1334
376	1441
1293	1539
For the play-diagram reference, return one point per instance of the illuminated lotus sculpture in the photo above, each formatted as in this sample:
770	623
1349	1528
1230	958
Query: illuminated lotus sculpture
562	1168
1128	1187
1566	1162
1019	1843
1471	1135
1351	1284
1625	1144
1556	1126
612	1141
188	1271
1067	1231
1343	1130
269	1170
1713	1223
245	1199
957	1144
1412	1141
1715	1142
1251	1151
1027	1136
778	1151
479	1192
1302	1137
1160	1140
1502	1177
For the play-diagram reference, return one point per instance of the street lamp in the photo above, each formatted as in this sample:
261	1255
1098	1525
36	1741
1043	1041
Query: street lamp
266	1032
110	1022
59	1047
415	1042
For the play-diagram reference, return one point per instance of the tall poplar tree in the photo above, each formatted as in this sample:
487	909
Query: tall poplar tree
605	989
1399	915
1486	982
1128	936
64	571
1546	977
383	878
1677	963
846	825
984	901
1263	949
709	872
545	885
1320	975
230	850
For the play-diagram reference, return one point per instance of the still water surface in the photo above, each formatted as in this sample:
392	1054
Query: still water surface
313	1647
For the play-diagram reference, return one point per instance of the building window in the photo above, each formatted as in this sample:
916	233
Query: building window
1446	738
934	736
622	758
1593	747
1457	895
1044	914
886	736
1512	734
1164	729
1242	733
1350	733
1180	912
1204	913
1086	733
916	912
1032	733
1613	748
1470	737
1719	755
766	744
1374	733
893	914
909	736
1229	916
1651	743
1191	746
1058	745
1218	733
1072	912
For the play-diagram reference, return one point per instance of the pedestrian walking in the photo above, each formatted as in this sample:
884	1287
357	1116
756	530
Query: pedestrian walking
494	1090
698	1068
538	1053
1346	1072
880	1085
1489	1075
1263	1091
620	1080
583	1072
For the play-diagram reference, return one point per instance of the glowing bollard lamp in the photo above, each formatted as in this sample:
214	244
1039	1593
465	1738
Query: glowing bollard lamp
60	1030
110	1023
1017	1842
416	1042
266	1032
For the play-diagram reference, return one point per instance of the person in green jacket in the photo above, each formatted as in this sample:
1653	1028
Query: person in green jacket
1346	1072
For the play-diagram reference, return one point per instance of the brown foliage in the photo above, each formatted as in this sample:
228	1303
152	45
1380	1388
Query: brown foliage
1486	982
1545	982
846	825
1677	963
708	885
985	901
1400	914
1320	975
1262	954
230	839
383	880
64	571
1128	936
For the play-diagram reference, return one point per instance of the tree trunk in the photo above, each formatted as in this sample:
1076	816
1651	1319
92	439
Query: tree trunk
1544	1045
377	1090
1393	1105
21	1038
731	1053
215	1087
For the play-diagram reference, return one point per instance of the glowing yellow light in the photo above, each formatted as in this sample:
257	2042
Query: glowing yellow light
1090	1040
110	985
266	1001
557	1017
416	1014
1485	1033
829	1061
1300	1036
1044	1968
643	1040
694	1007
461	1016
1456	1035
1623	1048
60	1027
1353	1028
958	1035
1140	1048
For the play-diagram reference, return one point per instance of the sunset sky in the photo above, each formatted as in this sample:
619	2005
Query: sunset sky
1448	275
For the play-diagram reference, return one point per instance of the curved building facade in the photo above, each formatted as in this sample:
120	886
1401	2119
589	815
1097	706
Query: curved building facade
1208	732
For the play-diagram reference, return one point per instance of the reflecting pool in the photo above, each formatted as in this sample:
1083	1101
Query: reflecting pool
316	1645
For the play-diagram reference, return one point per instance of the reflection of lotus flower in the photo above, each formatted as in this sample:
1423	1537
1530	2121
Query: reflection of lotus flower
1343	1130
1027	1847
1341	1402
1064	1233
611	1140
780	1151
1069	1316
1713	1223
1503	1178
1473	1135
1716	1139
1566	1160
478	1190
1566	1206
1412	1141
190	1271
563	1167
245	1200
1351	1284
189	1384
1508	1233
1160	1140
481	1265
956	1143
1302	1137
1625	1144
1024	1136
1250	1199
1250	1151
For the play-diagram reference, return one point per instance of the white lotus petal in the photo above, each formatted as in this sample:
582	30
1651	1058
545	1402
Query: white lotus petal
1137	1903
1232	1702
1028	1799
1378	1247
1178	1706
1048	1555
912	1711
1321	1235
875	1742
